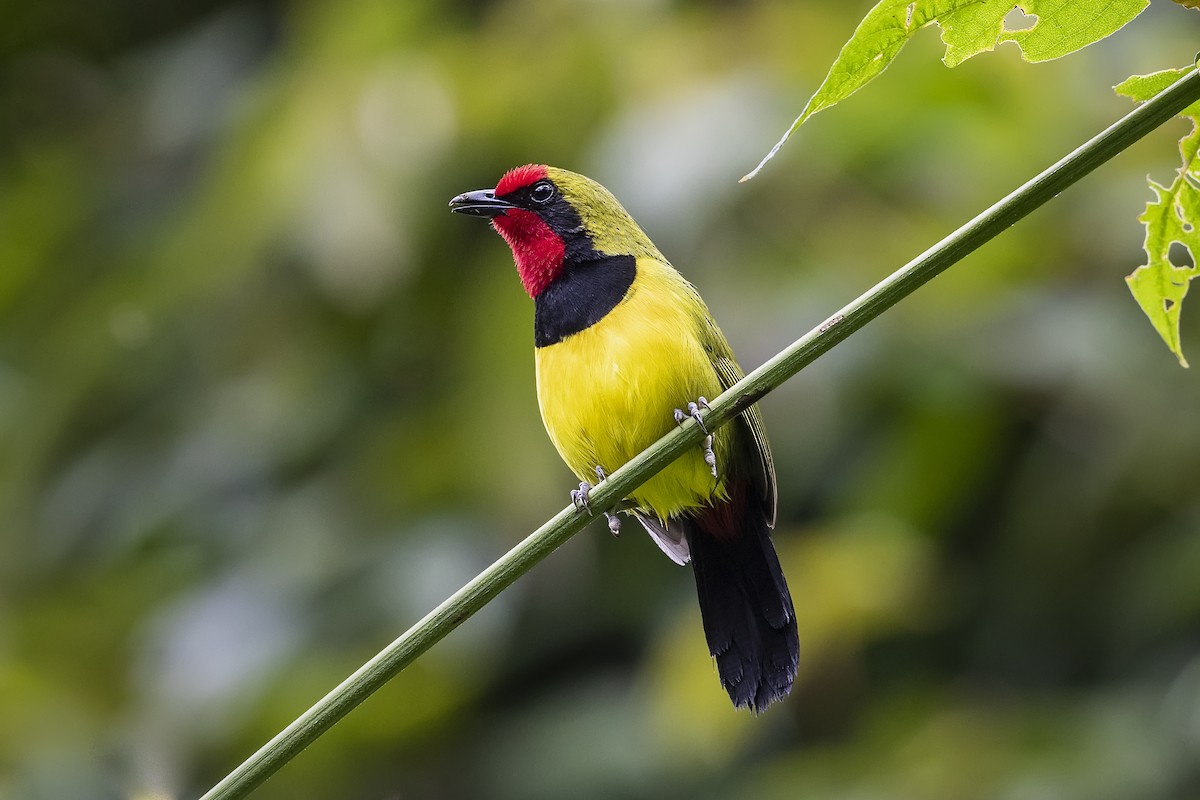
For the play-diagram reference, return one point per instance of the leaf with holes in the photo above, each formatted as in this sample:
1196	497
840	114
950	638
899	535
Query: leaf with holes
969	27
1171	219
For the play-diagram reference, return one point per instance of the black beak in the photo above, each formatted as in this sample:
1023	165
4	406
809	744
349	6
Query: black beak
480	203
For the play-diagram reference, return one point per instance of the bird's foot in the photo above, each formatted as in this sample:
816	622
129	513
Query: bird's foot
693	411
710	457
614	522
579	498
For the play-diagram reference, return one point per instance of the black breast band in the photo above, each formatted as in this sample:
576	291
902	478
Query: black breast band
580	297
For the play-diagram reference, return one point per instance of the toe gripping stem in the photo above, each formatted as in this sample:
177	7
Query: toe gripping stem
693	411
579	497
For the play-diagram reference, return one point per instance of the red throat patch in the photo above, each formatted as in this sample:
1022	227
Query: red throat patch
537	250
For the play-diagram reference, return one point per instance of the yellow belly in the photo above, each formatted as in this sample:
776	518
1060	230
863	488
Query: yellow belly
609	391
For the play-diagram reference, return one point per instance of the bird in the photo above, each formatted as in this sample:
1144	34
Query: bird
623	343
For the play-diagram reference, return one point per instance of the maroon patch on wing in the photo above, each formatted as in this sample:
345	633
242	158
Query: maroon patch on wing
520	177
537	250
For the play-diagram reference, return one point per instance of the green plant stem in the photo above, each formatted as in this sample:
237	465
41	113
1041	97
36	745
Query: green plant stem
516	562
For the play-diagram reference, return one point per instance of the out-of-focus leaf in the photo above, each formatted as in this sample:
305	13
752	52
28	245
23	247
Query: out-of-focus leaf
924	745
863	579
1160	284
969	27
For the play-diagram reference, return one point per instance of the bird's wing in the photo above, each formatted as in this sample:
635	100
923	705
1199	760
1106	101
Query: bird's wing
730	373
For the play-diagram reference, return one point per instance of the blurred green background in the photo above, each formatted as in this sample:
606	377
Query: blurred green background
264	402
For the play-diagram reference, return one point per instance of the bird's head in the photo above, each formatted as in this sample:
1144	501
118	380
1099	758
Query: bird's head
552	219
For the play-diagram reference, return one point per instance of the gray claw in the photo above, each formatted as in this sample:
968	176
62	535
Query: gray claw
614	522
693	411
710	457
579	497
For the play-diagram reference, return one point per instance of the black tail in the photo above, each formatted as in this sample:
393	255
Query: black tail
745	604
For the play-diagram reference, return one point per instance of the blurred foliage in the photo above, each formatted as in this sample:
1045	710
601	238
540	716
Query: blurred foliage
264	403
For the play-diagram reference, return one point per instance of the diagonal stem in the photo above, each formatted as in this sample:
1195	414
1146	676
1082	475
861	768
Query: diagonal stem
516	562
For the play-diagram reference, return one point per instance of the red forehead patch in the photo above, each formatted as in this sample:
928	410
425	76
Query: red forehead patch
520	177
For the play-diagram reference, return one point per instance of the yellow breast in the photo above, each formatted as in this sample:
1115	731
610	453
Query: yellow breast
609	391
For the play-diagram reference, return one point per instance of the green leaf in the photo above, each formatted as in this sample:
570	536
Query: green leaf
1143	87
1173	217
968	27
1065	26
1159	286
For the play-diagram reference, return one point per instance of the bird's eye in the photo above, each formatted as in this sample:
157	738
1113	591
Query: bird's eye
542	192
